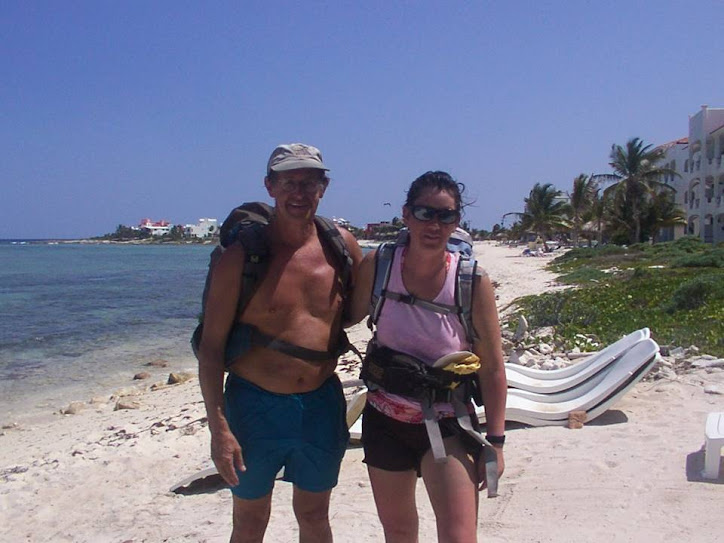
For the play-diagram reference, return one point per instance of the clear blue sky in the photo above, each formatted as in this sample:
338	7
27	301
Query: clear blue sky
114	111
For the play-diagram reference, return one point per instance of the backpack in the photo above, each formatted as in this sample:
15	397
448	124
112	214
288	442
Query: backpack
247	224
459	242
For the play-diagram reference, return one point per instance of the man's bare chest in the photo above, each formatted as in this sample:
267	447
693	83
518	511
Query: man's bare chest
302	280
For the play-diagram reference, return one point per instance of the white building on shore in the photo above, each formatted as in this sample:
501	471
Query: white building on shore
699	161
155	228
204	229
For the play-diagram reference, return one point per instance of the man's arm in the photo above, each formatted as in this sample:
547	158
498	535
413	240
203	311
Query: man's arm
360	302
491	376
354	251
219	317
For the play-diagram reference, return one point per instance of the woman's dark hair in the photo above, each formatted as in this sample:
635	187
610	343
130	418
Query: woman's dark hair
439	181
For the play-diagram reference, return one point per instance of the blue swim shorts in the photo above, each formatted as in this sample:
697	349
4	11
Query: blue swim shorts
304	433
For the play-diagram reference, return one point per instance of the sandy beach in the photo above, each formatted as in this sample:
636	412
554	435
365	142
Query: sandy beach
633	474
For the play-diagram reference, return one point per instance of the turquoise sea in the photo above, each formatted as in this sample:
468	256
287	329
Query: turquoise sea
79	320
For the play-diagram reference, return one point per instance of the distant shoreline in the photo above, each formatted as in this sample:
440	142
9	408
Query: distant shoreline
364	243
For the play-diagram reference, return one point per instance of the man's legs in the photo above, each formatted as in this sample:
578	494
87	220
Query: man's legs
312	512
250	519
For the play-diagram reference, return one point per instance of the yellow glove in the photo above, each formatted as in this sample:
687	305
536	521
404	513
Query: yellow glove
470	364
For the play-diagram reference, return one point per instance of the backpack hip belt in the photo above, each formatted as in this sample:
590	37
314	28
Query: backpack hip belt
400	373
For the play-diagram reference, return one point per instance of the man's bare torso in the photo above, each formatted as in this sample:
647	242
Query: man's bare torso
299	301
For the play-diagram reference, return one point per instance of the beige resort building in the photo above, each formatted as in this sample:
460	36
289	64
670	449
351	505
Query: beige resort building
699	161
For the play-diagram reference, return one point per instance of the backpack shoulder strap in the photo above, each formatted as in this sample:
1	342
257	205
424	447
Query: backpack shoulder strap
333	237
247	225
383	266
466	271
464	282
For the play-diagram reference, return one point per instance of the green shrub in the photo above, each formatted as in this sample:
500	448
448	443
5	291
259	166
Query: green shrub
583	275
696	292
713	258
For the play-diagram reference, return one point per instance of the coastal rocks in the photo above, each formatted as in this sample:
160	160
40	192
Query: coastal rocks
159	363
178	378
713	389
141	375
126	391
707	361
544	348
9	426
125	403
522	331
576	419
73	408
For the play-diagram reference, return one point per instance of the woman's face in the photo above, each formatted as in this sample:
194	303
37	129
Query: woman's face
438	206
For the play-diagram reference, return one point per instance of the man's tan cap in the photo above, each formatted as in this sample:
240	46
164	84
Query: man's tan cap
294	156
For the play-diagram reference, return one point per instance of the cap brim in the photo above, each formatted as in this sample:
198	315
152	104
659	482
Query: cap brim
298	165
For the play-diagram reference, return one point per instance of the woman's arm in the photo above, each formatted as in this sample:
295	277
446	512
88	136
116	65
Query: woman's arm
491	376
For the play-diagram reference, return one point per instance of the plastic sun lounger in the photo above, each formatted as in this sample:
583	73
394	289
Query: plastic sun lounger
599	409
619	346
624	373
548	381
564	395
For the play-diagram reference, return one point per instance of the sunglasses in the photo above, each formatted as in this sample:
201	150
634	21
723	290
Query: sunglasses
308	186
425	214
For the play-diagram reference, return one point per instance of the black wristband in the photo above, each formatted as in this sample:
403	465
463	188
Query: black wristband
495	440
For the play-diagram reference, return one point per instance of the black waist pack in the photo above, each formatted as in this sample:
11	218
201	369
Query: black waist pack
403	374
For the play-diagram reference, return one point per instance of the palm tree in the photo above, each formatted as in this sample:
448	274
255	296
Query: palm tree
545	211
637	180
664	212
580	200
598	214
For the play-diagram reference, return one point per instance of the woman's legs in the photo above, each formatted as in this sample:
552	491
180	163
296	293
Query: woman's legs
394	493
453	493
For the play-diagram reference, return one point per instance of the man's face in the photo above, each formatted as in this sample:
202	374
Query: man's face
297	192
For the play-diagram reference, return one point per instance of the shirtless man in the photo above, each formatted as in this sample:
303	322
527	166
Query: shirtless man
277	409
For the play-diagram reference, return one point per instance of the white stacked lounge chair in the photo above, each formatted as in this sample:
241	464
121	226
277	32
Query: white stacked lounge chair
537	380
594	395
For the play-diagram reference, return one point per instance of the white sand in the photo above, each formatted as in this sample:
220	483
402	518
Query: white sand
631	475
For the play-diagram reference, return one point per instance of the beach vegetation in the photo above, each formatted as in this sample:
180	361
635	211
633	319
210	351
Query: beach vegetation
676	289
126	233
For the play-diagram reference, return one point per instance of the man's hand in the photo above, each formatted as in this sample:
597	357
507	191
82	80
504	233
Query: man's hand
480	466
226	454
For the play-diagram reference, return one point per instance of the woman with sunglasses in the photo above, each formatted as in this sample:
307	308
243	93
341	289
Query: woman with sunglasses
396	443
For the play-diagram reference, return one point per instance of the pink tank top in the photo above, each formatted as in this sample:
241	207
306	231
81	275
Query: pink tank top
424	334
